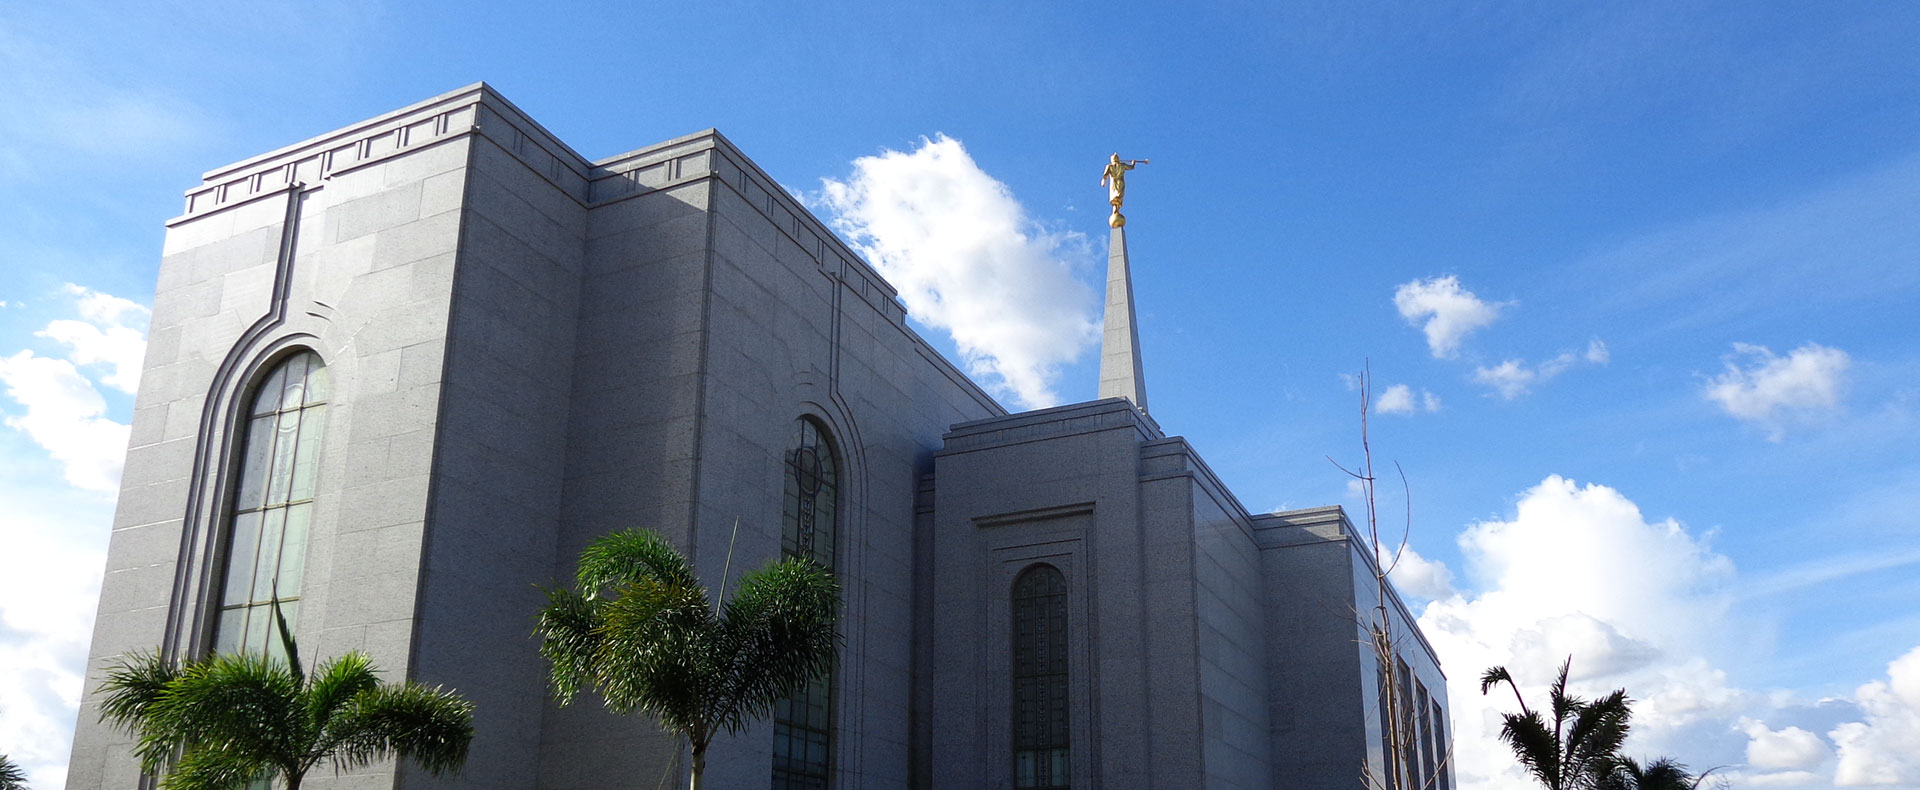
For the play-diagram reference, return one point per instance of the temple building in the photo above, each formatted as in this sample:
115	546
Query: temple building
400	374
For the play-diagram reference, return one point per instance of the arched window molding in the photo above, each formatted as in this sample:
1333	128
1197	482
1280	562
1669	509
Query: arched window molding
1041	720
270	513
803	723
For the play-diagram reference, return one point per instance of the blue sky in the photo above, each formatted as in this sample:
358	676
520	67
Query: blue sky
1657	266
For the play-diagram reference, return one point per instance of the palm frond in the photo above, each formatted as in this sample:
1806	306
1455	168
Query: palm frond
246	705
131	686
1598	731
659	653
12	777
779	634
287	644
211	767
334	684
1492	676
631	556
427	725
569	631
1534	745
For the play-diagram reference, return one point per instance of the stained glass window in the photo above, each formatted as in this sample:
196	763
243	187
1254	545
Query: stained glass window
266	551
1040	721
803	723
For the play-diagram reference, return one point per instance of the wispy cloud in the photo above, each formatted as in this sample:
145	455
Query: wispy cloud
1840	245
969	259
58	103
1446	312
1826	570
1516	377
1769	391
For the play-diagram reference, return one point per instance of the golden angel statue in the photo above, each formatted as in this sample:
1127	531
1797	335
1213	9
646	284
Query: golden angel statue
1114	178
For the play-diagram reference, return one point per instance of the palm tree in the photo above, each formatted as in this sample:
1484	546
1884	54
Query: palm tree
1661	774
1581	748
638	628
219	722
11	777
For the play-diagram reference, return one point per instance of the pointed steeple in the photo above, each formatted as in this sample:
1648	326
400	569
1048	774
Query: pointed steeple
1120	375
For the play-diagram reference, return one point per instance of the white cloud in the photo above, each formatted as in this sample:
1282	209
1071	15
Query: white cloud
113	334
1781	779
1399	399
1515	377
1788	749
55	536
1510	379
968	259
59	407
1579	570
1771	391
65	415
1450	312
1420	577
1884	749
1597	352
49	586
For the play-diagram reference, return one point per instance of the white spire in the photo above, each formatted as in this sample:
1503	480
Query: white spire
1120	375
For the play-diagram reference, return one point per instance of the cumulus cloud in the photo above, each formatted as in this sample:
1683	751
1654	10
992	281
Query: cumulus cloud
1579	570
1884	748
968	259
1770	391
112	333
1420	577
1444	310
59	407
1399	399
66	416
1791	749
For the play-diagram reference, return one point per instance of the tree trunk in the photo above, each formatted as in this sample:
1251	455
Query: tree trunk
699	764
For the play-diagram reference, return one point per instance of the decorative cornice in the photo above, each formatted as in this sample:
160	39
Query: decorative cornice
1030	426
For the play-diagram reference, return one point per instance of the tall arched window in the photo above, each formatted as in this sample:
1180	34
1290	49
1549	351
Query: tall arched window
1040	720
803	723
266	550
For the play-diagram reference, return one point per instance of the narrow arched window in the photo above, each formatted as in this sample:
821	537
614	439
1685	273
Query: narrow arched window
266	539
803	723
1040	721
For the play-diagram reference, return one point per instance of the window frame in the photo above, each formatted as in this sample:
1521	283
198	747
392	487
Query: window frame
244	496
796	504
1054	608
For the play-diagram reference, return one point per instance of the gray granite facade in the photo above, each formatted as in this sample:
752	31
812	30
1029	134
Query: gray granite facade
529	349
